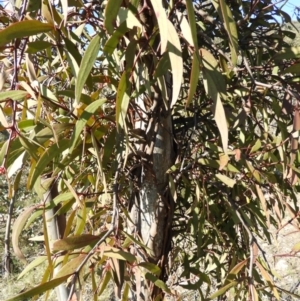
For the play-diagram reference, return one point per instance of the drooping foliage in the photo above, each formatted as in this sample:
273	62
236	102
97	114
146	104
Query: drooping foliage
87	90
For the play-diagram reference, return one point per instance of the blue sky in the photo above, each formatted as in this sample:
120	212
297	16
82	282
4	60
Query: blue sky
289	7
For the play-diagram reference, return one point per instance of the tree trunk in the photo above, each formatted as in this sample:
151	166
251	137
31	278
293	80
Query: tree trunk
151	210
55	229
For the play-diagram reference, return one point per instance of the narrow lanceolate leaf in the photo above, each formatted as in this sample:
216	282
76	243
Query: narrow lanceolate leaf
126	15
157	282
23	29
84	117
194	79
263	201
74	242
113	41
230	26
226	180
104	282
53	151
17	229
70	267
39	289
288	53
174	50
119	254
64	4
223	290
151	267
192	20
235	270
14	95
86	65
110	14
215	87
267	277
162	23
122	97
36	262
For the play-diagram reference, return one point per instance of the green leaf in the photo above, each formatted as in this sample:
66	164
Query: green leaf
296	247
121	108
159	283
131	238
74	242
288	53
36	46
125	15
192	20
295	69
162	66
230	26
256	146
14	95
70	267
113	41
86	65
215	87
174	50
84	117
39	289
226	180
151	267
223	290
65	6
267	277
30	147
194	79
17	229
235	270
49	154
36	262
107	277
119	254
110	14
23	29
162	21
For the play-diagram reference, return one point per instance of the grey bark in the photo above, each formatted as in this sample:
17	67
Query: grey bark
55	228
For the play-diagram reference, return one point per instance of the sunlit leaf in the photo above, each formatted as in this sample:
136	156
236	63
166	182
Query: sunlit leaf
110	14
223	290
17	229
288	53
162	23
39	289
226	180
36	262
151	267
84	117
14	95
86	65
267	277
23	29
174	50
119	254
53	151
157	282
71	266
74	242
215	87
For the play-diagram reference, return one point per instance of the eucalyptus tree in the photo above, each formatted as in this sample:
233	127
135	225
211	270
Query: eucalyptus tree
161	138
